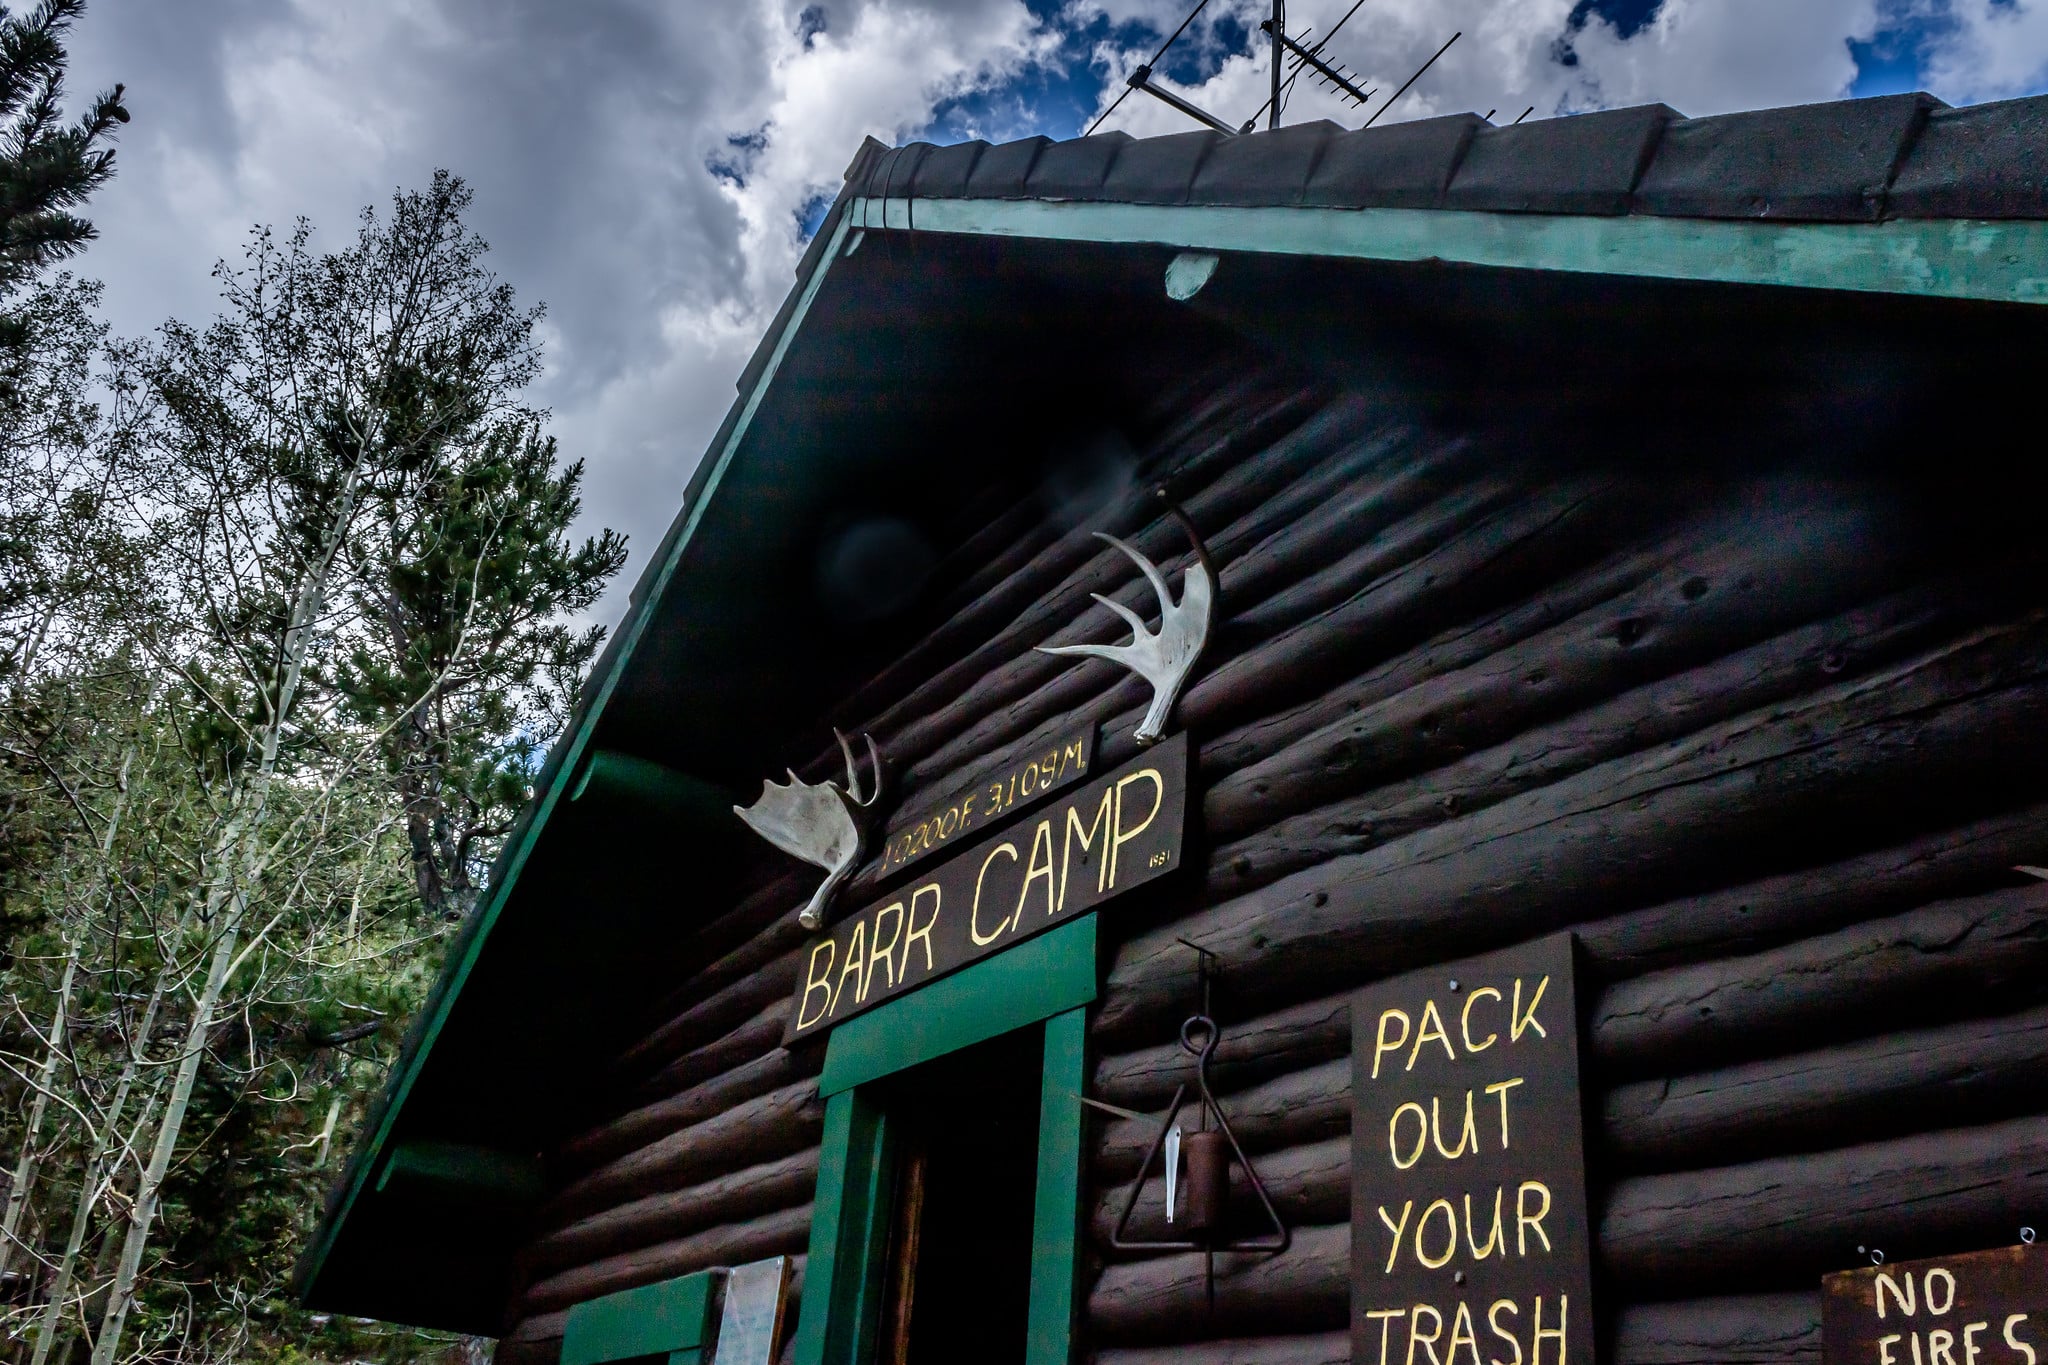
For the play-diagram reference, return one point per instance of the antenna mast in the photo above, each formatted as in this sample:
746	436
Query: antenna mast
1279	26
1305	55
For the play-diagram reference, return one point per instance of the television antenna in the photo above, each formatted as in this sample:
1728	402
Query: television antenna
1291	56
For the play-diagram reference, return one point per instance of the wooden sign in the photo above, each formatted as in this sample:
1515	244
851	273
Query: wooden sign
1977	1308
1469	1236
1014	787
1118	832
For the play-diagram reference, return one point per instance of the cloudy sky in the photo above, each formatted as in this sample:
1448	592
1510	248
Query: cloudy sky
649	168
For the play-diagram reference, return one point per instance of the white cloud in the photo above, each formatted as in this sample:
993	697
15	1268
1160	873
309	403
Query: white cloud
588	132
1989	50
1700	56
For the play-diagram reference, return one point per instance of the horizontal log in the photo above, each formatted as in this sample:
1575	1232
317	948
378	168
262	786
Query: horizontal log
1959	724
770	1071
1747	584
1276	1044
776	1124
755	1037
784	1233
1304	1289
1655	713
779	881
535	1338
1974	1071
1025	687
1312	552
1055	691
1756	915
1458	647
735	1198
1301	1106
747	938
1747	1329
912	726
1188	449
1537	536
1976	953
1768	1223
716	1014
1320	1348
1756	1225
1877	1087
1307	1184
977	616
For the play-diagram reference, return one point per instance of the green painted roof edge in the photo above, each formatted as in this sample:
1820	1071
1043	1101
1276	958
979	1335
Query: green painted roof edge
561	766
1996	260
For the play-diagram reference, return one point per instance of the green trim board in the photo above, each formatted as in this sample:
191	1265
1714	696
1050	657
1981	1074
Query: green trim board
843	1269
670	1318
1048	979
1056	1215
1038	978
1996	260
482	1172
566	766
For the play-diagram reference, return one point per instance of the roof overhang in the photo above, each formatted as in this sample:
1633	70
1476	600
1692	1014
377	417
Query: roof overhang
927	349
2004	261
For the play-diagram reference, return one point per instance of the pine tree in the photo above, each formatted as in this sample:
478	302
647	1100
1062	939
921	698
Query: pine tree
47	167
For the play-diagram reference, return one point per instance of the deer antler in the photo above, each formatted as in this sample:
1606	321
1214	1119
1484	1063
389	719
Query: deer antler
818	822
1165	658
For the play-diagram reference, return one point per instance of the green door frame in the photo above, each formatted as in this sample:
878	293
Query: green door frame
1049	979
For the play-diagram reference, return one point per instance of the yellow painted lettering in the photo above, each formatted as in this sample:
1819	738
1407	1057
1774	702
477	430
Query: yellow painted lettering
1468	1140
1501	1088
1386	1318
877	952
815	981
1450	1234
1394	1135
1518	1020
856	961
1432	1026
1493	1321
1465	1020
921	931
974	911
2012	1338
1525	1220
1041	840
1397	1229
1415	1337
1088	835
1462	1330
1381	1046
1564	1306
1125	830
1496	1240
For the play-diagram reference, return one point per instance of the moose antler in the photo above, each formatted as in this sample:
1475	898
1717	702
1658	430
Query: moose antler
1166	658
821	823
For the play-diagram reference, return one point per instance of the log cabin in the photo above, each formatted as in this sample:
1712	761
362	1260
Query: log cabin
1618	528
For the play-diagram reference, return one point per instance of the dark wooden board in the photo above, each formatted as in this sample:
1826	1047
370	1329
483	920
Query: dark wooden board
1465	1082
1976	1308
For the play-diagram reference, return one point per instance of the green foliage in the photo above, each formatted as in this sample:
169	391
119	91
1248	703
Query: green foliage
283	632
47	167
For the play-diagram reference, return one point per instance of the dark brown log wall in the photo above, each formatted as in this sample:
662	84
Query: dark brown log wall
1769	749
